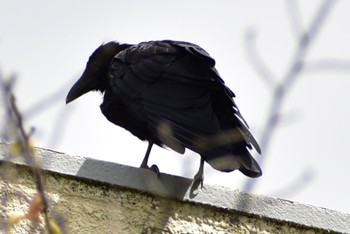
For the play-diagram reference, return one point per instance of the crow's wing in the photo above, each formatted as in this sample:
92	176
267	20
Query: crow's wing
173	89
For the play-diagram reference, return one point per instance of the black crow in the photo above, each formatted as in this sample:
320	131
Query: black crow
170	94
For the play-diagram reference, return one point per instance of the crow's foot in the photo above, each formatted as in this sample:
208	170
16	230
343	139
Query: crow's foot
198	179
153	168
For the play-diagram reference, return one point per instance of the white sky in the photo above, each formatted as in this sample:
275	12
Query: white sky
46	44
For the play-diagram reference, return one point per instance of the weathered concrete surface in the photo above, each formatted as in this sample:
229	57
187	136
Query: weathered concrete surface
100	197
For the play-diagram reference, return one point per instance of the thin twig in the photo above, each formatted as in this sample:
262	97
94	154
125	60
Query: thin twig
258	64
288	80
295	19
327	65
25	147
46	102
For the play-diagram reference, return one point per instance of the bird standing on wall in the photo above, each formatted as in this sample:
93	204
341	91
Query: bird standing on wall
170	94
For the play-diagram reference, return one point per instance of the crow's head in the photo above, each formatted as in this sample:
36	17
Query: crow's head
95	75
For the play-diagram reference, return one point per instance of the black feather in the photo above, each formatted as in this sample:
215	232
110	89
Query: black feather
169	93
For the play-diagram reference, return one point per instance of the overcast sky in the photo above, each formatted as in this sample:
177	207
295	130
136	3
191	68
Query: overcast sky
47	44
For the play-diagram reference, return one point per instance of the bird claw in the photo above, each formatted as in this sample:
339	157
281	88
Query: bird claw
155	168
199	177
198	180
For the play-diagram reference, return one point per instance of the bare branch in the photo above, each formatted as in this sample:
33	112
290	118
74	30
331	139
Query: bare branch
324	65
47	102
288	80
257	63
59	126
22	143
295	19
299	183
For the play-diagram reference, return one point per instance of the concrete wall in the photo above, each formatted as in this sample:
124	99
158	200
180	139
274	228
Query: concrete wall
90	196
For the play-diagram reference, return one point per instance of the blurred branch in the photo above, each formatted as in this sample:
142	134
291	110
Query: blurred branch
289	118
293	188
59	126
259	65
47	102
22	146
327	65
281	91
295	19
61	119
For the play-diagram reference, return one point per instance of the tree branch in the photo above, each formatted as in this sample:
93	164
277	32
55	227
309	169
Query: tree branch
24	147
262	69
281	91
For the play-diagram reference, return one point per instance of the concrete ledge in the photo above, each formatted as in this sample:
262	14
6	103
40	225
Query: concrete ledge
181	189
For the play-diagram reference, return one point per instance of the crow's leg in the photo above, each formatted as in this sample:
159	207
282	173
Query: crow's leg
198	178
145	160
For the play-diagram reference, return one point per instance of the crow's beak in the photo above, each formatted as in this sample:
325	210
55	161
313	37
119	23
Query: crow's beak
95	74
82	86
